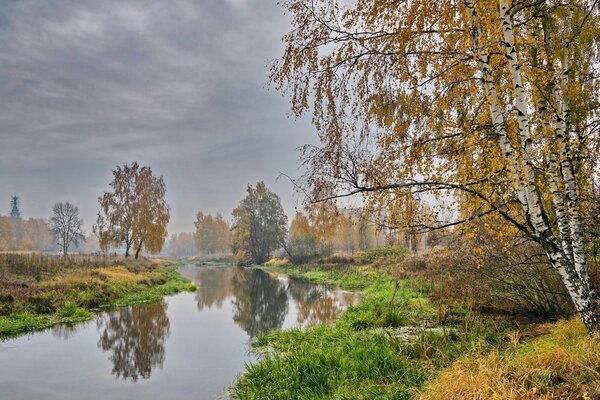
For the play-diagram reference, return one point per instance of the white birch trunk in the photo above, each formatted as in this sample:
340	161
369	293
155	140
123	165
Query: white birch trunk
498	120
521	104
565	254
575	247
571	267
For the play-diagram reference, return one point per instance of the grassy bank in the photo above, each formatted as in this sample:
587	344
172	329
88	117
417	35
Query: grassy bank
398	344
40	291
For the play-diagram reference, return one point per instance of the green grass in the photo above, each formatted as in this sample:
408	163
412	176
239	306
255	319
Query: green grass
345	277
173	284
18	323
78	302
368	352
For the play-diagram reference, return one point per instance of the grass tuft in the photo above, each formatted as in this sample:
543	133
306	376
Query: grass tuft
565	363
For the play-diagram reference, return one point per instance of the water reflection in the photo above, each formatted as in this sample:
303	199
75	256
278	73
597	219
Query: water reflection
315	303
65	331
135	338
214	286
261	301
205	336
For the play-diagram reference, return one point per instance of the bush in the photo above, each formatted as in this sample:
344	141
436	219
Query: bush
384	255
277	262
518	281
304	248
337	259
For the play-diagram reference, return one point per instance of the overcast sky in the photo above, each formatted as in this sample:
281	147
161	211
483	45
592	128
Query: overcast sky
179	85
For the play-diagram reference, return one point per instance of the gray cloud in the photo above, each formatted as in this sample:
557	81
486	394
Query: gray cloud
178	85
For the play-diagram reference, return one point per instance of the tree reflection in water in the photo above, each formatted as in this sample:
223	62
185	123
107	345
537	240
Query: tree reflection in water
314	303
261	301
135	337
214	286
65	331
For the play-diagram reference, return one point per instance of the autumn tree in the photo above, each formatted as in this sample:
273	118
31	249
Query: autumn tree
27	235
38	233
212	233
304	243
7	235
260	225
182	245
492	104
135	213
66	225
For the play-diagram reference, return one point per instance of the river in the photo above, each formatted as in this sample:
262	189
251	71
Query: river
189	346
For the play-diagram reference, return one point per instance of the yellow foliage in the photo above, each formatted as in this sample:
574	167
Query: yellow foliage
277	262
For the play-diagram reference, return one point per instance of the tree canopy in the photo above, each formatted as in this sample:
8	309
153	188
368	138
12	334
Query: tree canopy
259	227
212	233
494	102
135	212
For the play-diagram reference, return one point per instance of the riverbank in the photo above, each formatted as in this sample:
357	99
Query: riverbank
39	291
399	344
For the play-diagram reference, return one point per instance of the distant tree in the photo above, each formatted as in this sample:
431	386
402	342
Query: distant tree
103	233
182	245
15	212
259	225
303	242
7	235
37	233
135	212
346	238
66	225
212	233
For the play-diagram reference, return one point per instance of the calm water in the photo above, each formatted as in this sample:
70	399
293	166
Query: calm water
190	346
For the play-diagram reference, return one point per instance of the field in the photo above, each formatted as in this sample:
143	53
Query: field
38	291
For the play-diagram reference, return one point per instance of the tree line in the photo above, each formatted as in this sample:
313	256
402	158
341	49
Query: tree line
133	215
260	230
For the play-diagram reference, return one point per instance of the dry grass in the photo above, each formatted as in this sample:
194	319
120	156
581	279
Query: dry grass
41	283
562	364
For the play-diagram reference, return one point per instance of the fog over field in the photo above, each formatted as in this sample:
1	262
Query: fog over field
180	86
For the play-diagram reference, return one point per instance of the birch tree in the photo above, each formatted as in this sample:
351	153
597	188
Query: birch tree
135	213
492	103
66	225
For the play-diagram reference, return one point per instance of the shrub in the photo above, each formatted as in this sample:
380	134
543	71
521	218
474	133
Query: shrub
304	248
518	281
384	255
277	262
337	259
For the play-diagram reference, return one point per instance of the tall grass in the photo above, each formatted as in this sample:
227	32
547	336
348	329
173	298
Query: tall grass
563	364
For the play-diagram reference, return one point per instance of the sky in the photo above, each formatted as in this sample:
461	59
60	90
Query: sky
179	85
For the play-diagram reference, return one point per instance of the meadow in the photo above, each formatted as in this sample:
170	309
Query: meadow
39	290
